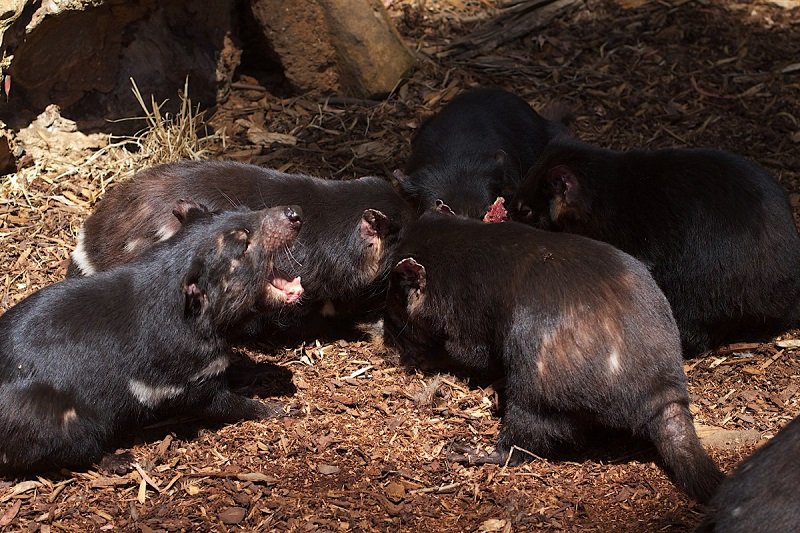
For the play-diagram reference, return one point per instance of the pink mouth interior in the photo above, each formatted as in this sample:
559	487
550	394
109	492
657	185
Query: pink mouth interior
496	212
286	290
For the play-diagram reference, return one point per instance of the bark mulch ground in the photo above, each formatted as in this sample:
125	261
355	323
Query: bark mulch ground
370	452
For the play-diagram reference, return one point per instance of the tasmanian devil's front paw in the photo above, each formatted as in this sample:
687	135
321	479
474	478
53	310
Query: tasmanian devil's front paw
277	409
116	463
461	452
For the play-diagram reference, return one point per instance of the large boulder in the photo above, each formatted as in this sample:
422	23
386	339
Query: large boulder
81	54
335	46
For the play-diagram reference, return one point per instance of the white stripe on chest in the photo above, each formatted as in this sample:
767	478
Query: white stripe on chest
150	396
153	395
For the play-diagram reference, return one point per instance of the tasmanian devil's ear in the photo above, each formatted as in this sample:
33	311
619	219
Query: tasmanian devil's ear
411	274
521	211
194	294
564	183
413	279
400	176
404	180
442	207
374	225
188	211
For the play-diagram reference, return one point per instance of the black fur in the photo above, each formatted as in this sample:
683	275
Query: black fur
83	359
715	230
579	330
761	494
478	147
342	253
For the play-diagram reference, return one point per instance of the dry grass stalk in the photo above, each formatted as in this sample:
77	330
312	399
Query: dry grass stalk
165	138
172	138
427	396
626	79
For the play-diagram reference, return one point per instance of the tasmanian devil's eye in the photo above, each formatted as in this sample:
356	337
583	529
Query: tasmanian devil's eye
247	242
525	212
241	241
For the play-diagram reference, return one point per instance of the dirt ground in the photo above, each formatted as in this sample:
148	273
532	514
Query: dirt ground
370	452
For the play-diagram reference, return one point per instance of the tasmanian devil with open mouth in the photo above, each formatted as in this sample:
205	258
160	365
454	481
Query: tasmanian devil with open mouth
343	253
86	358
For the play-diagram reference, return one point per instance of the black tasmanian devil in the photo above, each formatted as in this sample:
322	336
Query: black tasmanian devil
85	358
761	494
342	254
715	230
477	148
578	329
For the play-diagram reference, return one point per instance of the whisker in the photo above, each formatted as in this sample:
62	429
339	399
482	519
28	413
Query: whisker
261	195
408	320
288	251
225	195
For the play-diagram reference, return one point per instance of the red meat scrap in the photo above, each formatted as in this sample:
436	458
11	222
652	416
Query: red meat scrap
496	212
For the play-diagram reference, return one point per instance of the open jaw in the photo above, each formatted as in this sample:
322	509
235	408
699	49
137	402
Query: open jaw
284	288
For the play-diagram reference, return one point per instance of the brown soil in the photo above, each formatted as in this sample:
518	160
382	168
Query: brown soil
369	454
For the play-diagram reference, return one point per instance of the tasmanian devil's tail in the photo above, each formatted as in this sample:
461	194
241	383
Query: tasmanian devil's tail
685	460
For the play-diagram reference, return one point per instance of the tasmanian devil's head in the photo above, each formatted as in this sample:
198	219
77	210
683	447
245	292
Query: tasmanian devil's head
232	272
467	187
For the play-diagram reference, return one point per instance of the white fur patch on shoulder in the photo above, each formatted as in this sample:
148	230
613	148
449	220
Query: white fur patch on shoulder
152	396
165	232
80	258
215	368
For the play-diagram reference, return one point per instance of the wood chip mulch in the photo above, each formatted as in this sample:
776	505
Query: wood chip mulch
369	454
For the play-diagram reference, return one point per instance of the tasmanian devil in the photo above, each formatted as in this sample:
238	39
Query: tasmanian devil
343	251
761	494
478	147
83	359
578	329
715	230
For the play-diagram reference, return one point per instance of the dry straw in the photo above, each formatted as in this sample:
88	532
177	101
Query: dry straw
165	138
43	205
169	138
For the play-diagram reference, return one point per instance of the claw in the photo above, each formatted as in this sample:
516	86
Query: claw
276	409
116	463
464	453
